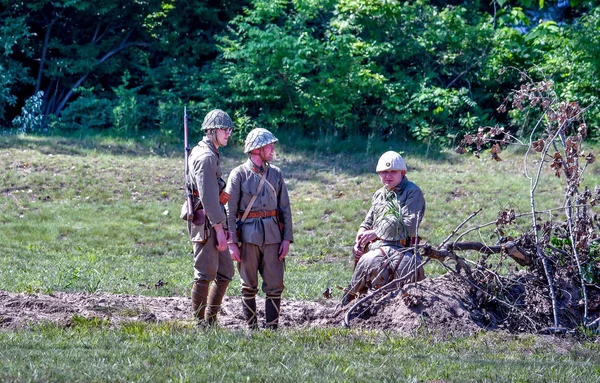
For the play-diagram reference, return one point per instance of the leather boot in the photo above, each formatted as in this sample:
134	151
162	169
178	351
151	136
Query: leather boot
215	298
249	309
272	305
199	298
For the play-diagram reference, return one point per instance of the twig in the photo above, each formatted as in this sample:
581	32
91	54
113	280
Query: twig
458	227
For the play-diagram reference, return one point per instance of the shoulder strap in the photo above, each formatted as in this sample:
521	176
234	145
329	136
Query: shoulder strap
260	187
272	188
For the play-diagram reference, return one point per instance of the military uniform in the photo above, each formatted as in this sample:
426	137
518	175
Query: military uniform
393	215
205	165
267	225
210	264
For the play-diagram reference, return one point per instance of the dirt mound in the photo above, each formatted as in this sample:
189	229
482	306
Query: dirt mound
433	303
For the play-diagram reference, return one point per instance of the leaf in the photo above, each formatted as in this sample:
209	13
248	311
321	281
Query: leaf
538	145
590	158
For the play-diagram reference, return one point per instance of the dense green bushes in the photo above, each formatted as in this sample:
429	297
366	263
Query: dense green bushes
423	69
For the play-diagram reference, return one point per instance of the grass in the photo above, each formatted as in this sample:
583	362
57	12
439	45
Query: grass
151	353
101	214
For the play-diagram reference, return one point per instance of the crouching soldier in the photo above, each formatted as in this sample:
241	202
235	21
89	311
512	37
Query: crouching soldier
259	207
383	242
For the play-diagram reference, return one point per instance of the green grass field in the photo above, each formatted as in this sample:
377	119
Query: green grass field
101	214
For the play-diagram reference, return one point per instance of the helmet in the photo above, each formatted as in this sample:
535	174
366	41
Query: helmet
391	228
390	161
217	119
257	138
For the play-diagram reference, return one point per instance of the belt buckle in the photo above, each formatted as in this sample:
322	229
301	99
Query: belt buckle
263	213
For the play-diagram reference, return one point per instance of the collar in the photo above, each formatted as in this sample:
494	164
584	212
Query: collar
257	169
211	145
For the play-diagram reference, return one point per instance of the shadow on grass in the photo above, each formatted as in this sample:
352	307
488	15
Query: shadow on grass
84	145
299	155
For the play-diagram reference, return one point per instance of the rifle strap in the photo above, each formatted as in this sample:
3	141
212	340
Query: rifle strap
260	187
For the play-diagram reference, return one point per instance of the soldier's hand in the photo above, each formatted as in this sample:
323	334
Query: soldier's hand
357	251
234	251
284	248
221	240
366	237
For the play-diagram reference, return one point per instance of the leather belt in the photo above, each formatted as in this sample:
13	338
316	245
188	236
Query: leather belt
259	214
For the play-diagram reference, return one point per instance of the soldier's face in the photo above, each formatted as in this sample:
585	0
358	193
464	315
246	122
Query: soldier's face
391	178
222	136
267	152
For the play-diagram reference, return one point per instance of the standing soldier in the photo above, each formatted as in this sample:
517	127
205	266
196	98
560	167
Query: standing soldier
383	241
208	230
259	208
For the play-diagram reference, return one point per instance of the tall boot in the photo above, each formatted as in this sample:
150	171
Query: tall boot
199	298
215	298
249	309
272	305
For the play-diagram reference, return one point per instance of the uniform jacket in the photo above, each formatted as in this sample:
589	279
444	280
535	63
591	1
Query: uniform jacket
205	167
411	201
241	186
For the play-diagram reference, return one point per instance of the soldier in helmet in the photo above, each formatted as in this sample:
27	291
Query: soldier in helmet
209	233
259	208
382	244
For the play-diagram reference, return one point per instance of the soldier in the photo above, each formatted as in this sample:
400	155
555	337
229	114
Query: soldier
208	232
383	242
259	208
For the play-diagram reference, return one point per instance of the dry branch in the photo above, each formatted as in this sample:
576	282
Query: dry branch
508	248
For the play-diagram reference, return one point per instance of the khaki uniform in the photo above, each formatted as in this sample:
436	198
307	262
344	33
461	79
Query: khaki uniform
375	268
205	168
259	237
210	264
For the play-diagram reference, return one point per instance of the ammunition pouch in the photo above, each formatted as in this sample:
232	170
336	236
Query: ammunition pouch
410	241
184	211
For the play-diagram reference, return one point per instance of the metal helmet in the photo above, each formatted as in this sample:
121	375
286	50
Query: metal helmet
217	119
390	161
257	138
391	228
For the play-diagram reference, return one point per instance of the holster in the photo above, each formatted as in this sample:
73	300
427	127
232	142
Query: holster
198	229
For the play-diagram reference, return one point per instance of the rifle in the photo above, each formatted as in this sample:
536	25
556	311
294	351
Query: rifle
188	184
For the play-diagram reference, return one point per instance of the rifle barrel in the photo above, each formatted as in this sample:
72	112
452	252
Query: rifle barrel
188	186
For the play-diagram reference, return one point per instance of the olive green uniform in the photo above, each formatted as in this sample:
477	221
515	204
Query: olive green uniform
210	264
259	237
205	167
375	268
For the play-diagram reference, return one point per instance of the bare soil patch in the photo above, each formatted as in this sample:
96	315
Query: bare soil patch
443	305
435	304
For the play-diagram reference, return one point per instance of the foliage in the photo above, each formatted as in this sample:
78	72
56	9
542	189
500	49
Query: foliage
31	119
426	70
